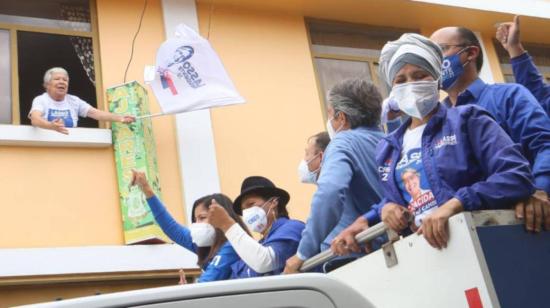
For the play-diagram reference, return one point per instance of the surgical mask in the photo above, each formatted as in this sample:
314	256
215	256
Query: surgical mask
307	176
255	218
202	234
418	98
330	130
452	69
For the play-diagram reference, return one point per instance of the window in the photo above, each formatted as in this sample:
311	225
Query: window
342	51
36	35
539	52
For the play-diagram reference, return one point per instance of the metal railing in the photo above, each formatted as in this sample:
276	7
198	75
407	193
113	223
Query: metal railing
365	236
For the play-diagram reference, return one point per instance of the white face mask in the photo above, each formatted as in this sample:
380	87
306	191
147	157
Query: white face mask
418	98
330	130
307	176
202	234
255	219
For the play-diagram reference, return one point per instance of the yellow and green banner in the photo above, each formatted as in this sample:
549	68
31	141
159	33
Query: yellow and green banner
134	148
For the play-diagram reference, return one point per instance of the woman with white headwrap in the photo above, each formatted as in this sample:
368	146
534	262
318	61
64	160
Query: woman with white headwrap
440	161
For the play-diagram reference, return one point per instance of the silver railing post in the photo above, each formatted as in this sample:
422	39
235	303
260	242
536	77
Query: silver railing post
366	236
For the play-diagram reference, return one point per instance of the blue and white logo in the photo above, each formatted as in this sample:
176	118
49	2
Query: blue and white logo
182	54
184	68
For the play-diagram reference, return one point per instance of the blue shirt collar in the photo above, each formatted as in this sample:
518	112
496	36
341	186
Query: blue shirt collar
476	88
474	91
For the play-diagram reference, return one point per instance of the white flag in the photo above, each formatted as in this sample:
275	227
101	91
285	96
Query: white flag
190	76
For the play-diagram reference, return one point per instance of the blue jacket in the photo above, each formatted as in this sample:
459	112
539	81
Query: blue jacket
465	155
520	115
347	187
527	74
283	238
219	268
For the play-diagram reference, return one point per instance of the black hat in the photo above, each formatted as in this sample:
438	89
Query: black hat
258	185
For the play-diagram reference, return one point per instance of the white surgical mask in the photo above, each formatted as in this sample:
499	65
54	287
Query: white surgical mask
418	98
255	219
330	130
307	176
202	234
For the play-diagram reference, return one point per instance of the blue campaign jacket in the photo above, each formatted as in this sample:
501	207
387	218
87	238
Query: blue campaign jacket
527	74
466	155
219	268
347	187
283	238
517	111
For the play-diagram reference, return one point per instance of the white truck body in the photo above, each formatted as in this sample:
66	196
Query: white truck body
490	261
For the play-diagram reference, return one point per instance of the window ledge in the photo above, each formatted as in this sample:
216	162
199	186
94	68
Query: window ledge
24	135
27	262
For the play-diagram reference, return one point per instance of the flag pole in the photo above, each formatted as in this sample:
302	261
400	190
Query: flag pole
150	115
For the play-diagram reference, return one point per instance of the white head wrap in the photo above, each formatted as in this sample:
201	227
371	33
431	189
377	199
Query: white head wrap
410	48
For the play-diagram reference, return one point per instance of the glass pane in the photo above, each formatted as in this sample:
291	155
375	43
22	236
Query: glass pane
509	78
5	78
384	89
539	52
59	14
332	71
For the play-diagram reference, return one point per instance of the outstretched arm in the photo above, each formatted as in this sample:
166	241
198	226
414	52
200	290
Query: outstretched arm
101	115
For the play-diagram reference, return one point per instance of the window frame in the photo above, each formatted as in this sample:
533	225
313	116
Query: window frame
506	66
332	56
507	71
372	61
93	34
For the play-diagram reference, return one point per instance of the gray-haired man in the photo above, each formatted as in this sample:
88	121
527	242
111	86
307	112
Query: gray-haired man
348	183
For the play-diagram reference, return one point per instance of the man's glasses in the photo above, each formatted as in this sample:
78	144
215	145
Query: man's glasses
446	47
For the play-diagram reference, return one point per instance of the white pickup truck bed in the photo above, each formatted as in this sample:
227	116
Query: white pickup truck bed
490	261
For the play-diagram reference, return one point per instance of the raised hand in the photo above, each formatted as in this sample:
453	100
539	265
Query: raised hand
508	35
218	217
139	179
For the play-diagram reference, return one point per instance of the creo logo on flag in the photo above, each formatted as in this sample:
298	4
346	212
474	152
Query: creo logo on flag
182	54
184	70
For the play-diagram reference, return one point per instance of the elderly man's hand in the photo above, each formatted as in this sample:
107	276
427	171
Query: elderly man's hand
59	126
218	217
435	225
293	265
508	35
535	211
395	216
345	243
139	179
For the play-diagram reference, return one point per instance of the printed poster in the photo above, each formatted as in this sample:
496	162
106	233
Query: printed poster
134	148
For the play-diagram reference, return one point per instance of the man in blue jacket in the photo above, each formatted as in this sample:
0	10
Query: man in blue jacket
514	108
525	71
441	161
348	184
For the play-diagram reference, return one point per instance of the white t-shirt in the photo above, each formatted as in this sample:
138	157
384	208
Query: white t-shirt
68	109
411	178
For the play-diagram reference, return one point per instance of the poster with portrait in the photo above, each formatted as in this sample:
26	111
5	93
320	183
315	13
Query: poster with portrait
414	185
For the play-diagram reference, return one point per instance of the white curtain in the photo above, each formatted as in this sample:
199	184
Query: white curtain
78	18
